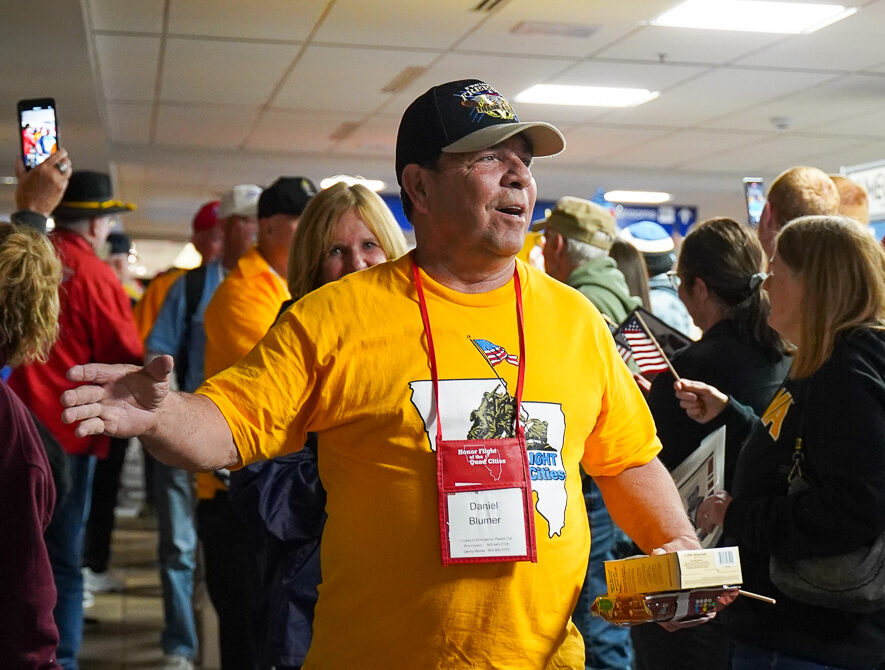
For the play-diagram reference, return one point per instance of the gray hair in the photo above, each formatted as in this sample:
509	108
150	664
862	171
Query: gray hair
580	252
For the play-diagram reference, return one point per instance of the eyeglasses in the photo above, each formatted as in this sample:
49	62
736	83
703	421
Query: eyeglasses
675	279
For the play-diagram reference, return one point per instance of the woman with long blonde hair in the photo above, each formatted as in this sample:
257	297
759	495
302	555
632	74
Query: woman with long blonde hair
343	229
827	292
29	277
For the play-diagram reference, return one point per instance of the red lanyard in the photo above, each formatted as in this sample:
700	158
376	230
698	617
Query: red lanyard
425	317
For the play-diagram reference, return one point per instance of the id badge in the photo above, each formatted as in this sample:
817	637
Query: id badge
486	510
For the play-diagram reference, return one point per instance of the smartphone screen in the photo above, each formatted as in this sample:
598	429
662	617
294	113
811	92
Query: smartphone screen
755	193
39	130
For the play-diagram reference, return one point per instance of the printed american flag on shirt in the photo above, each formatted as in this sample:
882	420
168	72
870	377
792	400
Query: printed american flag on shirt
496	354
645	353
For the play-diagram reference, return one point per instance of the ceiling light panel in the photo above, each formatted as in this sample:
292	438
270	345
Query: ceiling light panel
585	96
758	16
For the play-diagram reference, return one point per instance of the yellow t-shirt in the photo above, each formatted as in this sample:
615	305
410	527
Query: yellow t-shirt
242	309
350	362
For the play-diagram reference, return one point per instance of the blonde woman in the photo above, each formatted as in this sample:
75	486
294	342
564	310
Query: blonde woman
343	229
29	278
827	292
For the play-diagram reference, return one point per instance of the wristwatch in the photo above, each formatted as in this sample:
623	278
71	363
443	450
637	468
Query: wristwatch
26	217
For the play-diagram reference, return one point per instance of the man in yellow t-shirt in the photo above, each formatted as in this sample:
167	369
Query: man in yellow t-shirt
350	361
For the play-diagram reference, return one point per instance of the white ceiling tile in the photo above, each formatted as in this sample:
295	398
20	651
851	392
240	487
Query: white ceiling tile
819	108
223	72
653	76
141	16
608	20
861	125
776	154
687	45
509	75
680	149
320	83
296	131
131	173
405	23
860	154
128	66
714	94
587	143
376	137
822	50
129	123
267	19
203	126
171	174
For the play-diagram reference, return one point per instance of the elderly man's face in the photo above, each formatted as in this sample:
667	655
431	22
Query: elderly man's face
483	200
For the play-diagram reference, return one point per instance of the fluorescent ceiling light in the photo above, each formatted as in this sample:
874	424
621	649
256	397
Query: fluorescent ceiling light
188	257
8	180
638	197
755	16
586	96
371	184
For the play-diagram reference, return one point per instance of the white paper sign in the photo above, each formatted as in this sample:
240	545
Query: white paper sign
487	523
700	475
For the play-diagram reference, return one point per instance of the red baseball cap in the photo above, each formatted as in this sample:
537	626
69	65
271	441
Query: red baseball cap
207	217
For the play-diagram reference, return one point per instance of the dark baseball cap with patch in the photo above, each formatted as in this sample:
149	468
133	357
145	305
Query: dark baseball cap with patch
461	116
287	195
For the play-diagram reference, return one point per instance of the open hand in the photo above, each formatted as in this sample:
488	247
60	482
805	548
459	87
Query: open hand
117	400
700	401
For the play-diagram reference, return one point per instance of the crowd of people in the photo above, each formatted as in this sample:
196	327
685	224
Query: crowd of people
390	443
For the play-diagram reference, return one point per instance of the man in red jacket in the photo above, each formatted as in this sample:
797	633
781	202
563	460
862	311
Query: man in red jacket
95	324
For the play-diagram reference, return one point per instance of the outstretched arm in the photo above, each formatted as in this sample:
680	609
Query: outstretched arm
180	429
644	502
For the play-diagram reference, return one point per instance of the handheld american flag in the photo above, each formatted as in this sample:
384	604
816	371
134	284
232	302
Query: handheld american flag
646	353
496	354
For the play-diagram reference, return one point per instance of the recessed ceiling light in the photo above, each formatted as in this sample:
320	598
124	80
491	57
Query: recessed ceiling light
756	16
371	184
638	197
8	180
586	96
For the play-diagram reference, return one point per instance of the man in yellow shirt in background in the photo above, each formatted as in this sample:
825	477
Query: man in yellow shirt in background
242	309
397	368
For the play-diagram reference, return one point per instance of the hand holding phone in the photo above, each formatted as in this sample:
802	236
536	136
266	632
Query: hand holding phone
41	189
38	129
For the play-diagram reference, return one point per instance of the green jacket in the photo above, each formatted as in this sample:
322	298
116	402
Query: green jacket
604	285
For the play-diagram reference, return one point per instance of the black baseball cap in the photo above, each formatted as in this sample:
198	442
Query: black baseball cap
465	115
287	195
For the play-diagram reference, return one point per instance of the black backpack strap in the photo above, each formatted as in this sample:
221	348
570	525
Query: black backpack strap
194	284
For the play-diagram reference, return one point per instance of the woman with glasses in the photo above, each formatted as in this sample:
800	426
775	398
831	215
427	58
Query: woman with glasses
827	289
718	276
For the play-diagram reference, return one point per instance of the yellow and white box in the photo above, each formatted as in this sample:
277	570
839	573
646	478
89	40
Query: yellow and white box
677	571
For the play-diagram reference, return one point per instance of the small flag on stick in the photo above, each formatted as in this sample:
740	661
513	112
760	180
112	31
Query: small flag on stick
647	353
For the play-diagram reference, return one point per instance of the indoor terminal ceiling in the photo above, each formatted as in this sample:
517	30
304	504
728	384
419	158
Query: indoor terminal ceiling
180	99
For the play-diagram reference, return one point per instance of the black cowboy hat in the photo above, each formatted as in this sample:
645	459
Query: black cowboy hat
89	194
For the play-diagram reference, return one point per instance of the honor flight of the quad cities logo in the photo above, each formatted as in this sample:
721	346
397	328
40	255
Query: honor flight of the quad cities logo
484	409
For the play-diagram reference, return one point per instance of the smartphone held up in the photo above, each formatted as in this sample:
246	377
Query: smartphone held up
755	193
38	128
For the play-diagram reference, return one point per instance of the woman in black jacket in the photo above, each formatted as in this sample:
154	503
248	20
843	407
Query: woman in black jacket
719	279
827	289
